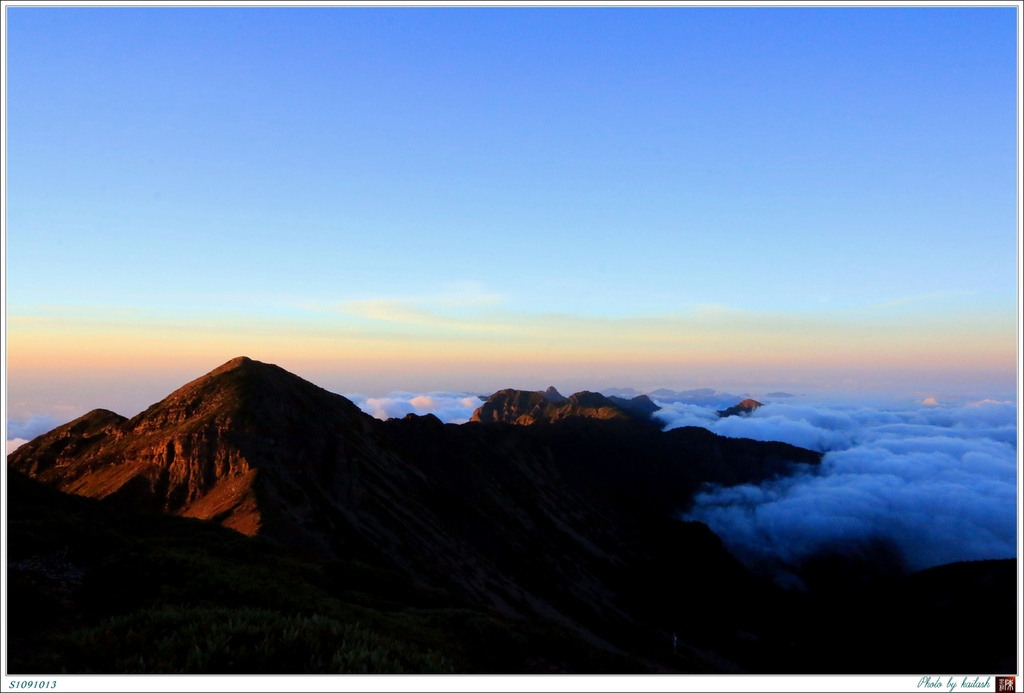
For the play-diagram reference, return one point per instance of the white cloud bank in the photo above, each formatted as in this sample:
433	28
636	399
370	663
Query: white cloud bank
447	406
937	482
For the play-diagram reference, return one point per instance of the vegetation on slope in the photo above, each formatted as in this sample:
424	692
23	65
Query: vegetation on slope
95	590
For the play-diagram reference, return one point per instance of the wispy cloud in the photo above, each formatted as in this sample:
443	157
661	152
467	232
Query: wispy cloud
905	300
465	329
417	313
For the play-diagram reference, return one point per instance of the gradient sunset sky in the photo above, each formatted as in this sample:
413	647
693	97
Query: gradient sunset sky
750	199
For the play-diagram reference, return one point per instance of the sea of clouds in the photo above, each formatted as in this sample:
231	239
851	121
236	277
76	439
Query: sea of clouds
448	406
937	482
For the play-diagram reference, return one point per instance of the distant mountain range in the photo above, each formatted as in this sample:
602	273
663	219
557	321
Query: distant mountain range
543	511
705	397
526	408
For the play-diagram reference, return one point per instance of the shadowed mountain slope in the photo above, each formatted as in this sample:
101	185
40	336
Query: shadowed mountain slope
95	589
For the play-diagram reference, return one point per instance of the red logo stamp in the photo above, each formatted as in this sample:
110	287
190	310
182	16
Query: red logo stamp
1006	684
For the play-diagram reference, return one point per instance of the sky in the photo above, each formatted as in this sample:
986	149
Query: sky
381	200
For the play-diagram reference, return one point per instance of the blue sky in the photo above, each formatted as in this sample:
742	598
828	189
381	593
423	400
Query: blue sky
435	183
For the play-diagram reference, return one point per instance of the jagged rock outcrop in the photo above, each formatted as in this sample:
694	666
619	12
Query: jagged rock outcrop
515	406
526	408
744	407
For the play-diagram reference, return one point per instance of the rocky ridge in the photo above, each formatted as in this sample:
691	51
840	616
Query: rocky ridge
525	408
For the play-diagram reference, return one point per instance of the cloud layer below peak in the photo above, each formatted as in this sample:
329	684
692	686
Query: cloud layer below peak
937	484
448	406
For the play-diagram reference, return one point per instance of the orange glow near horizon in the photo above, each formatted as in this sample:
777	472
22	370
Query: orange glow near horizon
509	346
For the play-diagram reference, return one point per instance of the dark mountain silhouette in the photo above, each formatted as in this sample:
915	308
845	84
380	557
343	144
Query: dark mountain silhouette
553	395
95	589
744	407
570	523
641	405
